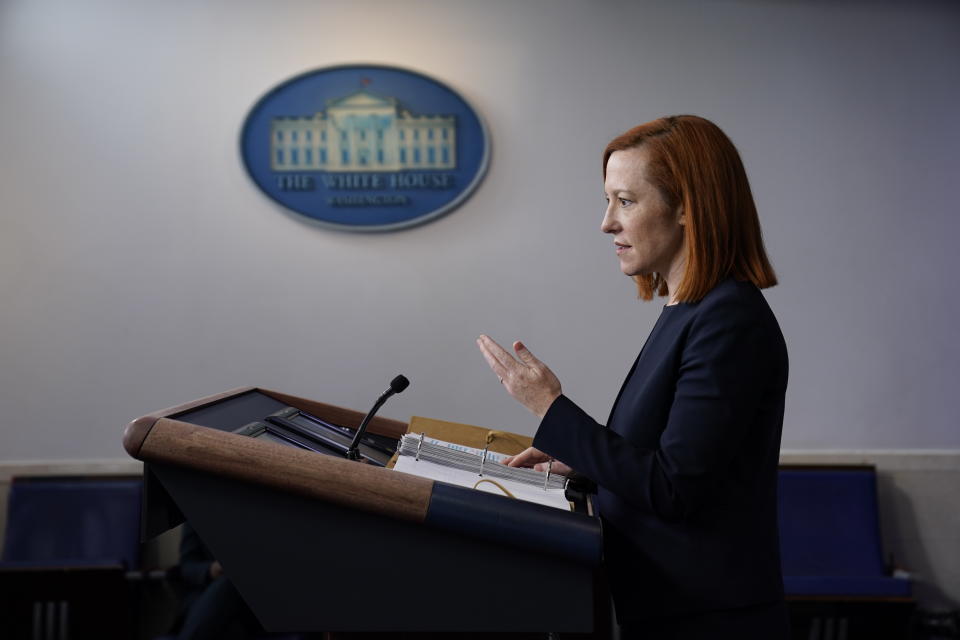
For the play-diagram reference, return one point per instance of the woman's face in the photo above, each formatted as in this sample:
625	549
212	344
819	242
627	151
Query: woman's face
647	233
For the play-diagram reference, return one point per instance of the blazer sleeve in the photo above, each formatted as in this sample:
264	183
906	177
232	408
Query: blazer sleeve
717	397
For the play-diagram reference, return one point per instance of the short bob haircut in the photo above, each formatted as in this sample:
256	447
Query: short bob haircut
696	166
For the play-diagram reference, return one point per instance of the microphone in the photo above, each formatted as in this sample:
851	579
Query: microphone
397	385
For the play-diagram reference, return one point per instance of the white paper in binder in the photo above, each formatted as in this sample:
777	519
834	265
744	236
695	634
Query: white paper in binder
478	469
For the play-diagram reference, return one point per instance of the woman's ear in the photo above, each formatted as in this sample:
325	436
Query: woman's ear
681	216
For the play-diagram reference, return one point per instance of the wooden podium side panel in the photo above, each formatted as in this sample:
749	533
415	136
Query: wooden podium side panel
306	565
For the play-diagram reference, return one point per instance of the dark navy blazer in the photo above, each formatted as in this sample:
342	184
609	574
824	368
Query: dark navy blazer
687	465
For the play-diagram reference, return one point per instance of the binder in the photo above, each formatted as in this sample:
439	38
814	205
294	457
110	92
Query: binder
479	469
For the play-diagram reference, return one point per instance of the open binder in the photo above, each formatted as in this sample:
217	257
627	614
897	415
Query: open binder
478	469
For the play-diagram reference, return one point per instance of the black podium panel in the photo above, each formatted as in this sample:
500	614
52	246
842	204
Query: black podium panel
306	565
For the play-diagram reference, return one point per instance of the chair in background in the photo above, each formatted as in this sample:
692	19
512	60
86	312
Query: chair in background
837	585
69	544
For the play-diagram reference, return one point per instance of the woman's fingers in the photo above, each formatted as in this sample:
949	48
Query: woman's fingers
525	355
526	458
540	461
529	381
491	360
557	468
498	353
501	362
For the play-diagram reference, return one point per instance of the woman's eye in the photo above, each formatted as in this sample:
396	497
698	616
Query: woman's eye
624	202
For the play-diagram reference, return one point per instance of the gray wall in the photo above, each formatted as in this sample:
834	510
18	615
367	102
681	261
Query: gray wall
140	268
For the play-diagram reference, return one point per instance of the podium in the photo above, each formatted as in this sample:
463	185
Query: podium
315	542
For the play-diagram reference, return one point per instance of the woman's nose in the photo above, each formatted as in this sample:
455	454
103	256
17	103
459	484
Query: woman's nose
609	223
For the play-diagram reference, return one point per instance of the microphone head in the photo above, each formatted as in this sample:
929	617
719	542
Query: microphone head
399	383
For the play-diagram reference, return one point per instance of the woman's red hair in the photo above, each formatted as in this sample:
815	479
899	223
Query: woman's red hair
696	166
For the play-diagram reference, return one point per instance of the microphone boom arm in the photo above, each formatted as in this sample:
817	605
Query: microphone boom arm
397	385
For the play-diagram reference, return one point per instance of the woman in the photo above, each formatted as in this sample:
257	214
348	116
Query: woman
686	464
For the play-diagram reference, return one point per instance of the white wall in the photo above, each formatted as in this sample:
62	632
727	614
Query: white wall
140	268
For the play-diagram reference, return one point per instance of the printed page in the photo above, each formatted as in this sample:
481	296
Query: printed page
551	498
492	456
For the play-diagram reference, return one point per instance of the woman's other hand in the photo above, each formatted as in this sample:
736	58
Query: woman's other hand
533	457
528	380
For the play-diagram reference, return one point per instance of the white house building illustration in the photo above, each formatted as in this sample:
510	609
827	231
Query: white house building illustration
363	132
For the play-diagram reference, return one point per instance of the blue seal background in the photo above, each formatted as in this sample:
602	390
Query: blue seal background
309	92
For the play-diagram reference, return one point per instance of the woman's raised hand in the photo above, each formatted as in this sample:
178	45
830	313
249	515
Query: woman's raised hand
528	380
